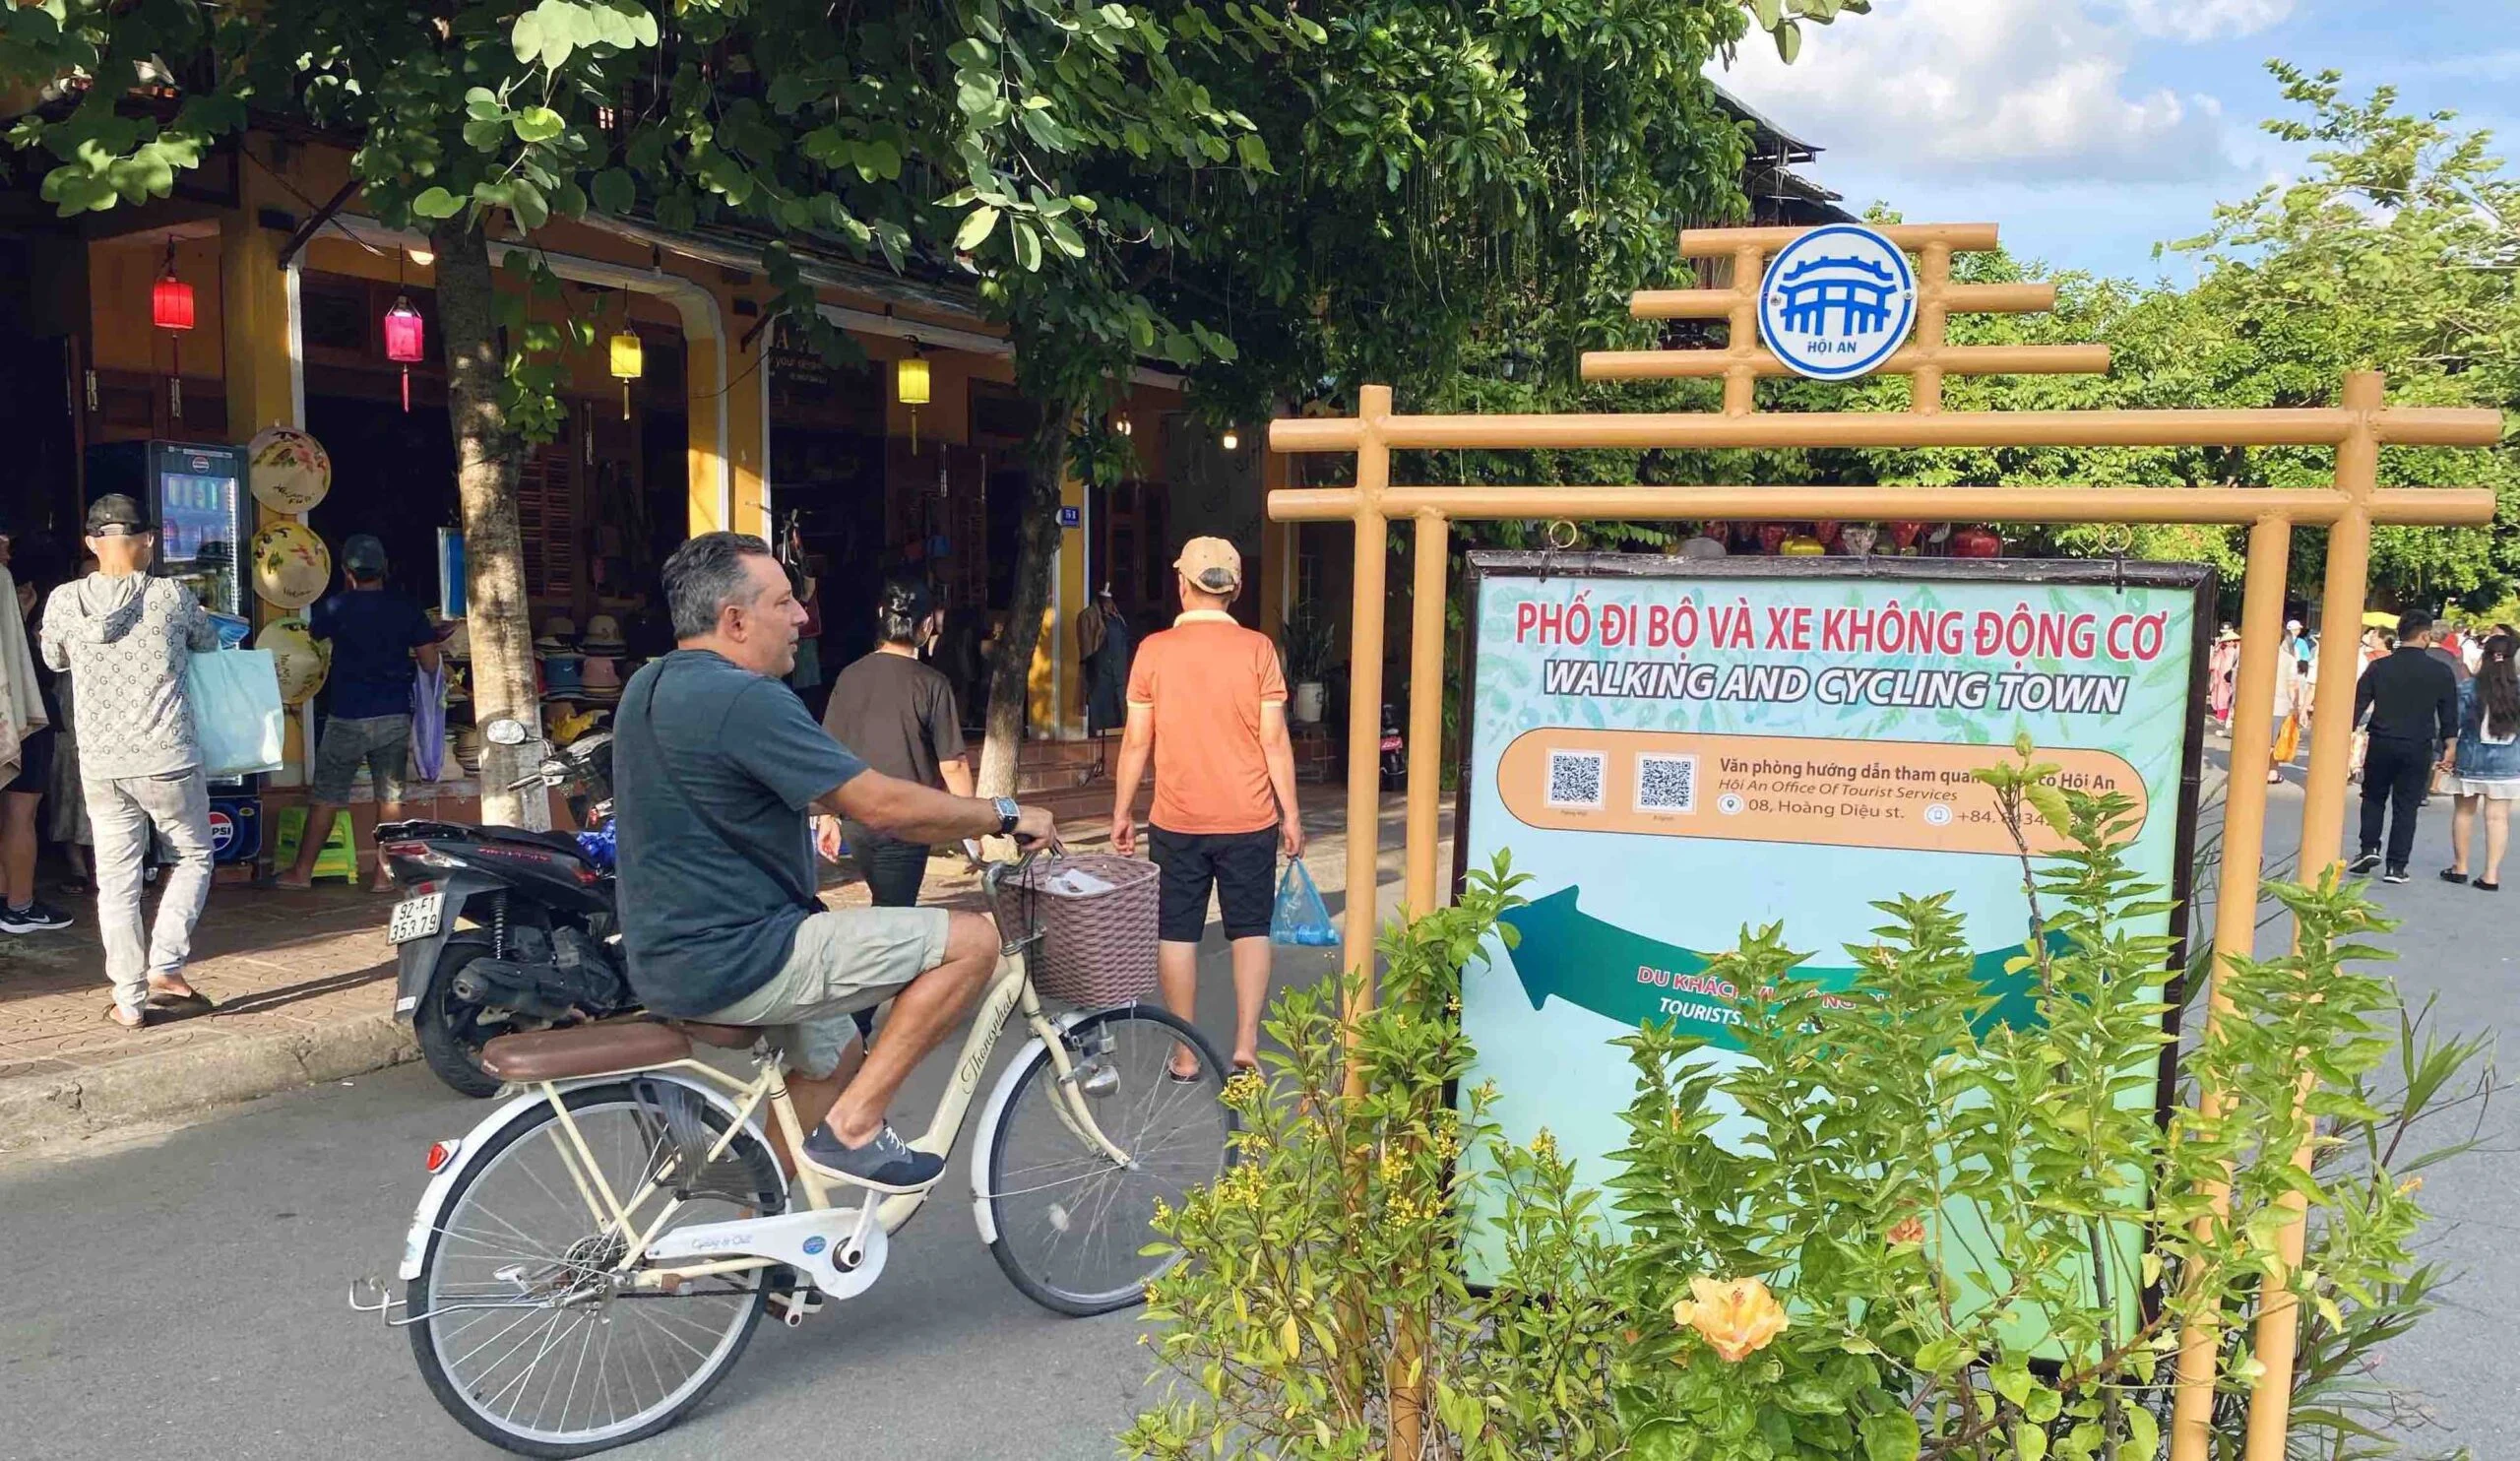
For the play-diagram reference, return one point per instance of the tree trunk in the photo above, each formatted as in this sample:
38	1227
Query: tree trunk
1010	673
488	454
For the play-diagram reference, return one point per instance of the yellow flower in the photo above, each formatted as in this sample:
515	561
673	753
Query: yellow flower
1737	1316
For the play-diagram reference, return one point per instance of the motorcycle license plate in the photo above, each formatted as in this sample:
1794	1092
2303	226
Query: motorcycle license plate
416	917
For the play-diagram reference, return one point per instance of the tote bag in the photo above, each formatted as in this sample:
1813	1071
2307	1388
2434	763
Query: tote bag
236	711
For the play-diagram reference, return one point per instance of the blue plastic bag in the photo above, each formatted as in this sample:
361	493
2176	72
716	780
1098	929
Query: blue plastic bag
236	711
1301	916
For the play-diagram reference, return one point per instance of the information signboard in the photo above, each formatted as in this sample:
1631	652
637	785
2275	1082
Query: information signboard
1674	749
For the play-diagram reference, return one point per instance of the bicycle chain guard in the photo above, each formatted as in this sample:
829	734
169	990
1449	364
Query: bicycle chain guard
815	1243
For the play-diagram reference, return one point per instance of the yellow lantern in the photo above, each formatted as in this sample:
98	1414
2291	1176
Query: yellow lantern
910	383
629	362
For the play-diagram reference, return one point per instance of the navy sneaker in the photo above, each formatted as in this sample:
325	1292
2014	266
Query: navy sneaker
34	918
884	1162
2368	863
2395	874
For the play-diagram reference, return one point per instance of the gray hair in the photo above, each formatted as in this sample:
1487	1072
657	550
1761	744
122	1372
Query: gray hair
707	574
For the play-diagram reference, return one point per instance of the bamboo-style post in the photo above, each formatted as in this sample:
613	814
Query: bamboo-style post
1432	550
1365	719
2269	549
2348	561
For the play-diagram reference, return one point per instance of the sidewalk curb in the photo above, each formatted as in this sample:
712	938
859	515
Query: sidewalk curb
184	1082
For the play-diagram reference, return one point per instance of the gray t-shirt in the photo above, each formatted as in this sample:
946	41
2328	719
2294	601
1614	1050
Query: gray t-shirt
710	911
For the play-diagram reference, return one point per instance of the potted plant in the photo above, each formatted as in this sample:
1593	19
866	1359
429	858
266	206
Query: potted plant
1306	650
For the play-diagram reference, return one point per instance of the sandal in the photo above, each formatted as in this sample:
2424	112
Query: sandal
2481	886
2453	876
176	1005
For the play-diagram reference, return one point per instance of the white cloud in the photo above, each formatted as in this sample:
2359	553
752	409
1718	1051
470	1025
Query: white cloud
2018	91
2206	19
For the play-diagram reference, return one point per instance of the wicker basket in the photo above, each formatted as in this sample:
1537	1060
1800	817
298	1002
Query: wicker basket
1097	948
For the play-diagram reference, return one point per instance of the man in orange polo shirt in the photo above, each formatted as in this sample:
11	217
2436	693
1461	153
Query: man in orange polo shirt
1206	700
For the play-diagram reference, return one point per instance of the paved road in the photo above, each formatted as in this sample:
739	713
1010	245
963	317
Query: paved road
159	1295
183	1296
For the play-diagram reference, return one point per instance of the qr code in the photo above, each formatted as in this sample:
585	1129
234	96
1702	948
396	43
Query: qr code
1575	780
1667	784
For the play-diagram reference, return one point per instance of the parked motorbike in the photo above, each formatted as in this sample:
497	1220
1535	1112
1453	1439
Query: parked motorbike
502	930
1395	751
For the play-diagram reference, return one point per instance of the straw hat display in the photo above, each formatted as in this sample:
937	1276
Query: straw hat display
467	741
560	676
298	656
291	567
603	636
603	678
559	636
288	470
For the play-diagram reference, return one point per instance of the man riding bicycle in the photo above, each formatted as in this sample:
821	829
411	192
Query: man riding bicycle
720	772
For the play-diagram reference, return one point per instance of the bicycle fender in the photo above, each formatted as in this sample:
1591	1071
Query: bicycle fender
433	1197
994	1112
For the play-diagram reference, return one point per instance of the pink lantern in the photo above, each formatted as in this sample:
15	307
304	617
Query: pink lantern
405	335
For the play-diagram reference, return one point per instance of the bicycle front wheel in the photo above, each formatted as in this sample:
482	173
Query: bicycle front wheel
1068	1221
525	1331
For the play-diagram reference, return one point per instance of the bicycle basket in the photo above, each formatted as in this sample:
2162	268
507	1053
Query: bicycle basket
1096	916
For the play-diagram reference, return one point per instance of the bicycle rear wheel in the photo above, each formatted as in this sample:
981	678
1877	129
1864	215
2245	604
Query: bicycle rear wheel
1067	1222
530	1342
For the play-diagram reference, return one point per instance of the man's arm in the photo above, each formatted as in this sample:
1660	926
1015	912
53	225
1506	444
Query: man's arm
48	641
915	814
2445	713
200	634
429	656
1279	749
957	776
1137	744
2365	689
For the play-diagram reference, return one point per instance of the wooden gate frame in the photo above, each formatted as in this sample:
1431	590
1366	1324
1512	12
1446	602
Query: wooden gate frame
2357	428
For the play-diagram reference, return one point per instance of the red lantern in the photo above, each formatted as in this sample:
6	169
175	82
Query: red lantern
1976	543
405	334
1771	536
1904	535
171	303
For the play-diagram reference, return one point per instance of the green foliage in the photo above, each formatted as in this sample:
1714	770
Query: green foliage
1333	1245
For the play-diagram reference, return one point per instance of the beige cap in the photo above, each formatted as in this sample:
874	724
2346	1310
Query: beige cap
1211	564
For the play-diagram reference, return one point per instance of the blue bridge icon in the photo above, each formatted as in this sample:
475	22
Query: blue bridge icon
1862	291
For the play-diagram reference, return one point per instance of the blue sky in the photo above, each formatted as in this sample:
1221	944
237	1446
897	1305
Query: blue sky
2093	129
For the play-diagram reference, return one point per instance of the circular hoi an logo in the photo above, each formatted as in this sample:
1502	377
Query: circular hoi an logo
1837	302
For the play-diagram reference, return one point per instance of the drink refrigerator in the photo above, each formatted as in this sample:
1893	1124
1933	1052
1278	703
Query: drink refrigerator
195	494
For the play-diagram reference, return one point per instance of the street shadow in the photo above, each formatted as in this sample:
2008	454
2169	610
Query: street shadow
264	1001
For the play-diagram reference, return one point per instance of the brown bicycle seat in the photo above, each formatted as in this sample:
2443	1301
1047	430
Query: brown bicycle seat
586	1049
724	1037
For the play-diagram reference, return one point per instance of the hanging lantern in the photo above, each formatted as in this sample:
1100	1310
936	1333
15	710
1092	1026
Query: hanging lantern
170	308
171	303
406	335
1231	440
912	385
629	362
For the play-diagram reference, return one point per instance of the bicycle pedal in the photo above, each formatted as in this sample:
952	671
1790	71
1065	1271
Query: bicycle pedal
794	1306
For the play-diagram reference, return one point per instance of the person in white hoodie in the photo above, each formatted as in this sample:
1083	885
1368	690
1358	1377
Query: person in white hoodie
125	637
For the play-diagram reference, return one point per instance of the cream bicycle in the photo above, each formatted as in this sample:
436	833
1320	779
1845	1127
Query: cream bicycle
591	1258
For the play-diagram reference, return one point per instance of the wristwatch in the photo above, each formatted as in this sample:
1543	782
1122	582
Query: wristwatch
1008	814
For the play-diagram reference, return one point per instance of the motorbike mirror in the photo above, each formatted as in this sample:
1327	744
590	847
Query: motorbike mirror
504	733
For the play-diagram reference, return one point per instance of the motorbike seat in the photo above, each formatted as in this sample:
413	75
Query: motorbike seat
586	1049
566	842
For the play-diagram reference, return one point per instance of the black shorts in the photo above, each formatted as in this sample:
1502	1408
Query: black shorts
1243	867
35	763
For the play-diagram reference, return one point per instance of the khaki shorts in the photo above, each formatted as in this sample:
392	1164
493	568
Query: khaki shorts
844	960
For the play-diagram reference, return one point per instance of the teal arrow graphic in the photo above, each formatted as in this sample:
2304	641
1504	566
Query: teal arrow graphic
1567	953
